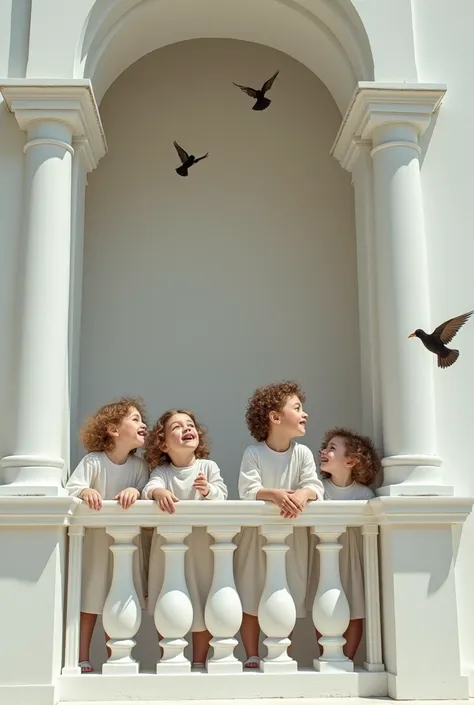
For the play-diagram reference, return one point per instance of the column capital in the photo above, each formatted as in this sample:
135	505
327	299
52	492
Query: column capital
69	101
375	104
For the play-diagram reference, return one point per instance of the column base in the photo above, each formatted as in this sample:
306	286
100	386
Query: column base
346	666
31	475
413	475
286	666
374	667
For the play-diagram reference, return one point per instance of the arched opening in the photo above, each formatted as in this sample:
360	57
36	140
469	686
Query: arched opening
245	271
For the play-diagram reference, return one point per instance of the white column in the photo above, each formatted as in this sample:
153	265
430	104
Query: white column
51	115
44	309
80	167
331	612
373	632
73	614
362	179
223	613
276	610
122	612
393	118
174	611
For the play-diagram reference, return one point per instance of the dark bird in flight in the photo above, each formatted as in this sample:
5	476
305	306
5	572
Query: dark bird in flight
436	341
262	102
187	160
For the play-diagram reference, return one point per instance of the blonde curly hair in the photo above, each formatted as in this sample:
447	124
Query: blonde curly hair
95	435
272	397
358	448
154	453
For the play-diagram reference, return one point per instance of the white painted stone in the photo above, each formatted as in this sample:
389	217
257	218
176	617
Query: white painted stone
174	611
223	613
276	610
122	613
331	608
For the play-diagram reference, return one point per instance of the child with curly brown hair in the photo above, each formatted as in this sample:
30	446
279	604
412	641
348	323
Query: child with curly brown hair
110	470
177	449
349	463
279	470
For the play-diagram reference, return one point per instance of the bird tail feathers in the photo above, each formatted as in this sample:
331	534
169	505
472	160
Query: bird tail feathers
449	360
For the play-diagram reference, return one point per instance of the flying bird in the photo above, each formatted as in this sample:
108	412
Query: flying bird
187	160
436	341
262	102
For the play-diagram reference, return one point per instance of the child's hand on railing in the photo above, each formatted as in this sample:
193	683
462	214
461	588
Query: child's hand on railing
92	498
165	500
288	506
127	497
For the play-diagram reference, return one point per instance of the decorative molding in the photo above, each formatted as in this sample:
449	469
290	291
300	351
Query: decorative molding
374	104
37	511
69	101
421	510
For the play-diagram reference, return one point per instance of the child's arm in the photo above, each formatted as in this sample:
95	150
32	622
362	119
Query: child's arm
310	486
129	495
212	487
79	484
250	487
155	489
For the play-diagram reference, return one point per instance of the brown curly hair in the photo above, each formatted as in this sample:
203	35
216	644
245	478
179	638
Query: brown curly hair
154	453
358	448
94	434
272	397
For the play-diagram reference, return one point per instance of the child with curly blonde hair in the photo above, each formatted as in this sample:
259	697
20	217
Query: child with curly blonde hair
281	471
349	463
177	450
110	470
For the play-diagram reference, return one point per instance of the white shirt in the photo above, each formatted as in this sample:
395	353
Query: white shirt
262	467
180	480
354	491
98	472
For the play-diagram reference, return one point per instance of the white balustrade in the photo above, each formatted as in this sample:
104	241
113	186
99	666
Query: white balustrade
223	613
122	612
174	611
173	614
331	612
73	613
276	610
373	632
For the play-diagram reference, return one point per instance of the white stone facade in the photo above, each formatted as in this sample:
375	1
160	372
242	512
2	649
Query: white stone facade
287	273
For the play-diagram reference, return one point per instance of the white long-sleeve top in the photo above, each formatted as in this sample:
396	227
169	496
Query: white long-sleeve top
180	480
262	467
98	472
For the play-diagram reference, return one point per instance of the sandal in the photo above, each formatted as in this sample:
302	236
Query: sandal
86	667
252	663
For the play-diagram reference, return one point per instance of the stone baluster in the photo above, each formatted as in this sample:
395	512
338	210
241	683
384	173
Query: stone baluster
73	613
331	612
174	611
276	610
223	613
122	613
373	633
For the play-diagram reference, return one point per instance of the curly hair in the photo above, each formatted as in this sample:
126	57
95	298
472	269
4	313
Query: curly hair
358	448
154	453
272	397
94	434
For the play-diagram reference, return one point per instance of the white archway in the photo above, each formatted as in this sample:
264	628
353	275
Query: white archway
327	36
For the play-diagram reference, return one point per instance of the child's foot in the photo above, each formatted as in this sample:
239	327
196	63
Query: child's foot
252	663
86	667
197	665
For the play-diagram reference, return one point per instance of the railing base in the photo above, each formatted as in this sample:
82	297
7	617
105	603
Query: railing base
252	684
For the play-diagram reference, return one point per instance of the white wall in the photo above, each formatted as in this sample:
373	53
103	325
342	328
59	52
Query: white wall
445	53
198	290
